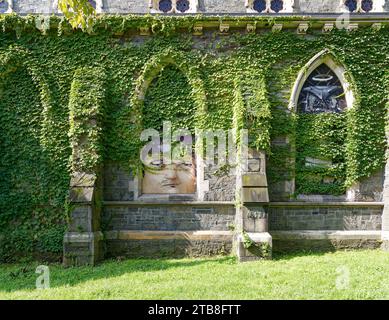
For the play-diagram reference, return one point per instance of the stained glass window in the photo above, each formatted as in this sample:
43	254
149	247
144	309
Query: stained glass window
276	5
351	5
165	5
322	92
259	5
182	5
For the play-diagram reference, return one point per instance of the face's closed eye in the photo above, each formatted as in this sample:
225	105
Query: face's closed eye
157	165
183	165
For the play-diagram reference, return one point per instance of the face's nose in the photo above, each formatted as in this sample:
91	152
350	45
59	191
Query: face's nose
171	173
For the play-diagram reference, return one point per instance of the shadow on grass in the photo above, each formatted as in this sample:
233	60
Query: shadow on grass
23	277
289	255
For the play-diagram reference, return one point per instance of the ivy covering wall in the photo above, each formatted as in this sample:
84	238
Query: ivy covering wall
171	75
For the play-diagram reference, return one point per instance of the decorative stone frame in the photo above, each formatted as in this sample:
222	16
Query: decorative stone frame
154	7
378	6
140	196
150	71
10	6
288	6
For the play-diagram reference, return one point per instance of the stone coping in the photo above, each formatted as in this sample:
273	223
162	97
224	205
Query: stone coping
289	15
232	203
326	204
168	203
169	235
83	236
327	234
261	21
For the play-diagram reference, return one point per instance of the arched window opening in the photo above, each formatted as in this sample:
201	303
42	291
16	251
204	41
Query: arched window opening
320	98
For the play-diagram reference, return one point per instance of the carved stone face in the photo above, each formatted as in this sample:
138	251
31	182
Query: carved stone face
177	177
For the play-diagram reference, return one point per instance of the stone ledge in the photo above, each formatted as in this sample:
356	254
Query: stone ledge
326	204
211	21
326	235
168	203
385	235
169	235
83	236
232	203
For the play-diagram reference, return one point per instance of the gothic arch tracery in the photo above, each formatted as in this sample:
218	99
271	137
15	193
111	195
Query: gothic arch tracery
324	78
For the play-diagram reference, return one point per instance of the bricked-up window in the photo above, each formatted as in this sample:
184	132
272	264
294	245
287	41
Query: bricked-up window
363	6
322	92
173	6
6	6
269	6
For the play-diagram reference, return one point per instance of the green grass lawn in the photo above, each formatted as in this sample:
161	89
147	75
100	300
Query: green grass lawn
299	276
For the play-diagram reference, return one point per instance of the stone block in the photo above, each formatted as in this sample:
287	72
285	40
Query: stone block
82	180
260	249
254	180
255	195
81	194
82	248
255	219
254	165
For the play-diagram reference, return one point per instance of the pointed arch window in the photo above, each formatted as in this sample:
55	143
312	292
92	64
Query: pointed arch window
322	92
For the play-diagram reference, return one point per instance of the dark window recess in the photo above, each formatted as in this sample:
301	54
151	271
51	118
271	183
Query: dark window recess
259	5
182	5
277	5
367	5
165	5
3	6
351	5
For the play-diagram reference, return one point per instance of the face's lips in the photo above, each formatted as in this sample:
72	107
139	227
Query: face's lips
170	185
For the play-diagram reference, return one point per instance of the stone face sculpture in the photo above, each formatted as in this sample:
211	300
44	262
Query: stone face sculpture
322	92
